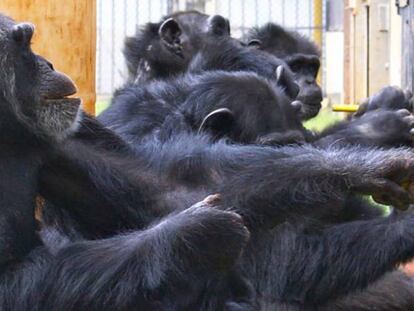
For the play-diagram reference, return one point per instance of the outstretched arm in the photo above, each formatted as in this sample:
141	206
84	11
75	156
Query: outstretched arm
105	192
309	181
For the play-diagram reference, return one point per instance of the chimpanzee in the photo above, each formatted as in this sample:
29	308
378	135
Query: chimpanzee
262	112
164	49
301	54
141	269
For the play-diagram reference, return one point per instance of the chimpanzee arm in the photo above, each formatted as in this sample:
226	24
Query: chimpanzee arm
343	258
23	262
172	258
380	128
105	192
265	185
313	182
394	291
330	263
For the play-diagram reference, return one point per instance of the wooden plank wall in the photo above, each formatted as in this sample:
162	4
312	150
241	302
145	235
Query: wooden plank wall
407	67
367	51
66	35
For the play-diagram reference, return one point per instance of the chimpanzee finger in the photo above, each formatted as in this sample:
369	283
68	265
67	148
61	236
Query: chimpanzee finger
409	120
403	112
385	191
392	194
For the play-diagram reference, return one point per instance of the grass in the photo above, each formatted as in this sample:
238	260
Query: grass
101	105
325	118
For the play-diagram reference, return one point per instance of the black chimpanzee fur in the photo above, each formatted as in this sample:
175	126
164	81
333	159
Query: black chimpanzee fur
300	53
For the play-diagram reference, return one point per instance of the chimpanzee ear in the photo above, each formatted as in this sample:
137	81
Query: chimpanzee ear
218	25
254	43
170	32
218	122
23	32
285	80
408	95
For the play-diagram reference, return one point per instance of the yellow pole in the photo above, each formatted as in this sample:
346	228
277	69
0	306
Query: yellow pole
66	35
318	27
345	108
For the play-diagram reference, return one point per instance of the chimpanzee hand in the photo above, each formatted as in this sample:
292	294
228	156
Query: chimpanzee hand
384	128
281	139
389	179
215	238
388	98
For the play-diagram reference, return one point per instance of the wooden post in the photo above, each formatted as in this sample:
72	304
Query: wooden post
66	35
348	99
318	28
407	13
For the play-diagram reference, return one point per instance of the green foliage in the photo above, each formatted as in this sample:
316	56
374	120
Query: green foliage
325	118
101	105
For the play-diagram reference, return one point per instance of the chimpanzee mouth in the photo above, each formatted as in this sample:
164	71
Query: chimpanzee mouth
63	100
61	96
310	110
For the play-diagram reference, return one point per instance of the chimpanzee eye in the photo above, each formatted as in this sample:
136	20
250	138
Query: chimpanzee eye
295	67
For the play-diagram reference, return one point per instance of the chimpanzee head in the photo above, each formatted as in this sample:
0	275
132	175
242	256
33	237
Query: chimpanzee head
302	56
164	49
247	108
31	91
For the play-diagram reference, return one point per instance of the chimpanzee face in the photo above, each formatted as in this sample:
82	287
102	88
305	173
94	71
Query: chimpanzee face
305	69
32	89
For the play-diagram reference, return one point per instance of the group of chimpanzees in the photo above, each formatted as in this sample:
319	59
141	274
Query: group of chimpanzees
199	188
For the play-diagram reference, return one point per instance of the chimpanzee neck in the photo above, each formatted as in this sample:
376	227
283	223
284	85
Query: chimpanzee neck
14	132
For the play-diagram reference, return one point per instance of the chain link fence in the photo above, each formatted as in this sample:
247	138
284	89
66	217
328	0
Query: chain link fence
117	19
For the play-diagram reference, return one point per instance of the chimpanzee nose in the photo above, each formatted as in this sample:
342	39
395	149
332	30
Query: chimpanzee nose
310	80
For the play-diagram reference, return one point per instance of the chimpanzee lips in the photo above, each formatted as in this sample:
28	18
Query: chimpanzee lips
62	97
67	100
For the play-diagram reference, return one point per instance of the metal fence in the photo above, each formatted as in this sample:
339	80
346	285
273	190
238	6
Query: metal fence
117	19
